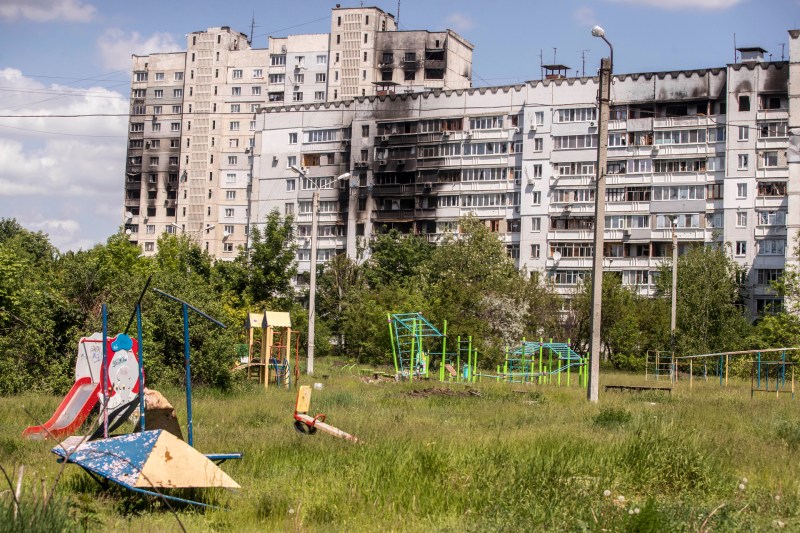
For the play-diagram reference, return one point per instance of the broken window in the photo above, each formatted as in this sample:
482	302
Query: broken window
744	103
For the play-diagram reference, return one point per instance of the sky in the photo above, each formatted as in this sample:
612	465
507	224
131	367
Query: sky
64	176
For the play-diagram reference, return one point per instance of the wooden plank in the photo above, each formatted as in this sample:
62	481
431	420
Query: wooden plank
326	428
303	404
451	370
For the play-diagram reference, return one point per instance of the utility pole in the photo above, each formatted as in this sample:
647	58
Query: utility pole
674	311
606	68
312	283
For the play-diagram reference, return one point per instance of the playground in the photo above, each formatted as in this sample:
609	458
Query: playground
516	454
436	441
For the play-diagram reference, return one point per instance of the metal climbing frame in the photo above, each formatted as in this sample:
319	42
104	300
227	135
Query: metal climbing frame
541	362
410	334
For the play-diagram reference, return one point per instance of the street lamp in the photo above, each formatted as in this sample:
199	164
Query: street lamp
599	218
312	283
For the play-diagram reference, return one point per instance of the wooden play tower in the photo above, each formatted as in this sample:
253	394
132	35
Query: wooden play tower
269	355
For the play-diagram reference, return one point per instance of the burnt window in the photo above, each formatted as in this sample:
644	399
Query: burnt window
744	103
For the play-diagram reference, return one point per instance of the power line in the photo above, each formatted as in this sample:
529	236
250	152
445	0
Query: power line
290	27
65	134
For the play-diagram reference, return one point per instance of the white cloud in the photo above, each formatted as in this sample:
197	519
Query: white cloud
459	22
116	46
711	5
47	10
62	175
585	16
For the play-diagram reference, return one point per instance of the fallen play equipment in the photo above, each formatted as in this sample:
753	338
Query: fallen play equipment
150	460
307	424
121	392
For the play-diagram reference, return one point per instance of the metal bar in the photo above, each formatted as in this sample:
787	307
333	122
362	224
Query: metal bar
104	371
190	306
186	356
141	364
138	303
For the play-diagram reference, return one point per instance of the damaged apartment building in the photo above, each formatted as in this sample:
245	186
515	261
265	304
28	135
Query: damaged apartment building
704	153
193	114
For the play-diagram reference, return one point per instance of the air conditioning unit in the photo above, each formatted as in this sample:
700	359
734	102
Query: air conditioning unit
591	124
226	234
626	233
518	181
274	158
427	185
516	130
530	180
445	134
283	49
516	209
384	138
147	145
382	162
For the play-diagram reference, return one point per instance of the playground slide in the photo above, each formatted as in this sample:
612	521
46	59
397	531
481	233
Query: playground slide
72	412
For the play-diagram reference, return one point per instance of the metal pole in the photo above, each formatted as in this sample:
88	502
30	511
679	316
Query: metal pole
312	287
186	357
674	310
104	371
141	364
599	229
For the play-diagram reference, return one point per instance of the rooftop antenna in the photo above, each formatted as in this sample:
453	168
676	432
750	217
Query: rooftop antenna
734	47
252	27
783	45
554	55
583	63
398	14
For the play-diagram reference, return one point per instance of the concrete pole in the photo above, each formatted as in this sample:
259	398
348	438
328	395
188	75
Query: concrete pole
599	229
674	310
312	285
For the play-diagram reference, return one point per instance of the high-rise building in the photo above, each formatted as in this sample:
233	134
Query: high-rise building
702	153
193	113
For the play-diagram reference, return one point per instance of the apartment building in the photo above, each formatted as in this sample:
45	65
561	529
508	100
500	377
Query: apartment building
701	153
193	114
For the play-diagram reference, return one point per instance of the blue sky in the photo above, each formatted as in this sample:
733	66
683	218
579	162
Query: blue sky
64	176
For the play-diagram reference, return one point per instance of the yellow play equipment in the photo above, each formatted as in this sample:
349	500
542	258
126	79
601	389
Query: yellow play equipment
273	362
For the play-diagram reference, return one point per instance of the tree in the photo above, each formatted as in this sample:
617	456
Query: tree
709	300
395	256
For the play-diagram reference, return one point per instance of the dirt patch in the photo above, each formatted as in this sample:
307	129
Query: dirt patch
440	391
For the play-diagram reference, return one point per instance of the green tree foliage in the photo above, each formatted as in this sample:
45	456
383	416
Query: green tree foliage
709	301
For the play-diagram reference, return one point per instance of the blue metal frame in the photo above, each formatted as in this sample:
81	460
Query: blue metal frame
141	364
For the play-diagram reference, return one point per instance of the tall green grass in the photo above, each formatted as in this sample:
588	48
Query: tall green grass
542	460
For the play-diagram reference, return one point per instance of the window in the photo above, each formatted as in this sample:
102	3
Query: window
252	127
320	77
157	110
771	218
300	61
150	229
173	160
317	136
291	160
771	247
537	171
230	195
538	144
277	78
536	198
232	159
584	114
322	60
137	127
236	108
277	60
744	133
258	73
575	141
772	129
297	97
741	190
319	96
140	76
617	139
156	126
769	305
176	109
536	224
149	246
138	93
236	91
153	161
741	248
765	276
409	75
234	125
255	91
233	143
743	161
158	93
744	103
538	118
230	178
536	251
228	212
486	123
175	126
227	247
177	93
288	208
772	188
770	159
293	138
741	219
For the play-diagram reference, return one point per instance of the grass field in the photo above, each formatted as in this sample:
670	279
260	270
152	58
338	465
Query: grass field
706	459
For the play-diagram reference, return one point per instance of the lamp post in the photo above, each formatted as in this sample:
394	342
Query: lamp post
312	282
606	66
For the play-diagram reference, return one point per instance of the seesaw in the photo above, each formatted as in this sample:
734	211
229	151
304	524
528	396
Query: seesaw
308	425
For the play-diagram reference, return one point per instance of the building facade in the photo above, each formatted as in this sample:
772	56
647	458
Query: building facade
702	153
193	114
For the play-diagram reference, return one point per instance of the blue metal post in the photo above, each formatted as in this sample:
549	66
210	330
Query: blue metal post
758	370
104	371
141	363
188	374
